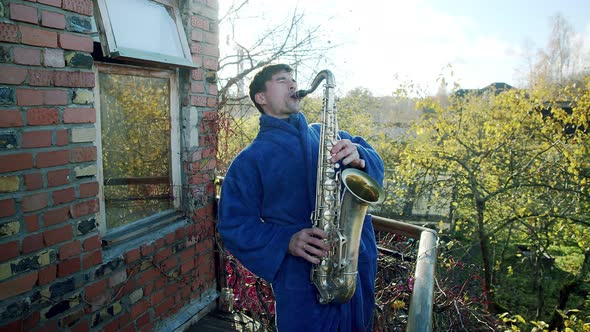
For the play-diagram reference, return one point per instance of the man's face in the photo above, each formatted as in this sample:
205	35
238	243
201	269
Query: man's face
279	98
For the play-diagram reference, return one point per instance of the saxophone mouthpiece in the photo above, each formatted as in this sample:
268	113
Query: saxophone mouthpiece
301	94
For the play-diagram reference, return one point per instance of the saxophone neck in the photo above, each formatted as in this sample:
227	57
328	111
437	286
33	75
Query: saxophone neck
322	75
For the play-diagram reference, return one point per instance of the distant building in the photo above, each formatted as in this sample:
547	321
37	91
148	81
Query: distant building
495	87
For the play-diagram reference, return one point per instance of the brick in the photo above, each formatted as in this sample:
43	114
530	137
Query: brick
88	189
82	154
22	284
34	202
92	259
209	63
84	171
76	23
53	58
15	162
56	216
38	37
197	74
132	256
58	177
61	137
23	13
27	56
82	326
47	275
73	79
10	118
210	50
92	243
199	101
58	235
33	181
164	306
83	97
83	209
51	158
78	6
67	267
79	59
8	140
7	95
77	43
48	326
139	308
8	250
53	19
32	243
96	289
197	87
81	135
31	321
40	77
54	3
29	97
31	223
79	115
12	74
200	23
36	139
9	184
63	196
55	97
8	32
42	116
70	249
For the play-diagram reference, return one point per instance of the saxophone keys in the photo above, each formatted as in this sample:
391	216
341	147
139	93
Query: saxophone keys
330	184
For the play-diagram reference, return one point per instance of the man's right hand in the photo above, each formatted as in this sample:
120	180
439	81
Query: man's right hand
309	244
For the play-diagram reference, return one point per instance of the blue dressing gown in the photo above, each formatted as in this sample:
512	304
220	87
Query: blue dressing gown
268	195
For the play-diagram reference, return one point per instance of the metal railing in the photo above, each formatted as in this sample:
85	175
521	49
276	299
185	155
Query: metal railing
421	303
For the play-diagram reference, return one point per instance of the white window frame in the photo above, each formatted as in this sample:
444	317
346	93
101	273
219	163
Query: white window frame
158	220
112	50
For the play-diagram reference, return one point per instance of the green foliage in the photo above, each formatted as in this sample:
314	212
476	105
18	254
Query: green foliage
516	165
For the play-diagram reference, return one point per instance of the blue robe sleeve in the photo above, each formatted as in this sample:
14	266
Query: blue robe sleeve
258	244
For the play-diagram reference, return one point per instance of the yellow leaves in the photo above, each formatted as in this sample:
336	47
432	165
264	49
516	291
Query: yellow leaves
398	304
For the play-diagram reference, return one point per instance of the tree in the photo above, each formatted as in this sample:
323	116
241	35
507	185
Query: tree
292	41
560	61
509	170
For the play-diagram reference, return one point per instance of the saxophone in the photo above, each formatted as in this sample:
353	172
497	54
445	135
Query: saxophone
340	215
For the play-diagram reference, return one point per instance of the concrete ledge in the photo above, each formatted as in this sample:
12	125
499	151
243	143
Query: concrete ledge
190	314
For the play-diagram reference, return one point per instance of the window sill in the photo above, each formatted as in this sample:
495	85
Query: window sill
120	240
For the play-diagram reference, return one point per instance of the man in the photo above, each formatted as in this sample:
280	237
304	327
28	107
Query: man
267	198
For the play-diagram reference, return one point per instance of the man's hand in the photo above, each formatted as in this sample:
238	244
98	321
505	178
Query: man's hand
346	151
309	244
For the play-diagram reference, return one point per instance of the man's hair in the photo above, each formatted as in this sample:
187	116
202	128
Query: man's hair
258	84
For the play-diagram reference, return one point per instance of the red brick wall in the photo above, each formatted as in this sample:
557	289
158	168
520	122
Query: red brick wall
53	272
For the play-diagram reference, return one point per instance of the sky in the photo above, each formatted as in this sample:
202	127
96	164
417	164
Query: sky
385	44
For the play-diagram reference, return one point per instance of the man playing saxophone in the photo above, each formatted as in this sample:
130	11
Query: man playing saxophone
268	196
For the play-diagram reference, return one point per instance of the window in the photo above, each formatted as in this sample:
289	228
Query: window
139	162
143	29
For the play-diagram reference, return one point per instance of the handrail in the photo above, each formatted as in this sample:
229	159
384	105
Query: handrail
421	303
